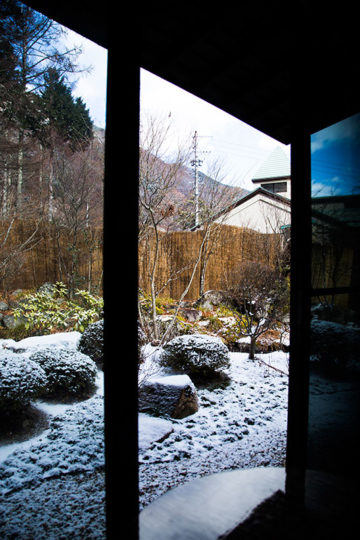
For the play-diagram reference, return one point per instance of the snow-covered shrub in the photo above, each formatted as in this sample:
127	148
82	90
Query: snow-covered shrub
68	372
195	354
21	380
335	345
91	342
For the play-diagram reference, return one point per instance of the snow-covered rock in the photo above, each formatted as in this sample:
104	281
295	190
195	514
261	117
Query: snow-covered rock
191	314
196	354
212	298
173	396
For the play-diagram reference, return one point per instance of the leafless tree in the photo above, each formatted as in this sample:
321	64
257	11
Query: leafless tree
77	209
163	209
261	296
13	253
158	174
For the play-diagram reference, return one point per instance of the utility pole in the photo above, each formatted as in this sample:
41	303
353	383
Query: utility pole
196	163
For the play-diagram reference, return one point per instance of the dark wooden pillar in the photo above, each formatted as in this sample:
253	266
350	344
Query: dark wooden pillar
120	292
300	296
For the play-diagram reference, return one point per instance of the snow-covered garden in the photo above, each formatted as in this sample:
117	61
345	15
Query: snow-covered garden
52	484
240	423
233	416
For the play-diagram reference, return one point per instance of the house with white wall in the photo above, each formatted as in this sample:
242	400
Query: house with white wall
274	174
267	208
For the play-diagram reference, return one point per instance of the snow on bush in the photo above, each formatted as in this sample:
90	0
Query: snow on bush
21	380
335	344
92	342
68	372
195	354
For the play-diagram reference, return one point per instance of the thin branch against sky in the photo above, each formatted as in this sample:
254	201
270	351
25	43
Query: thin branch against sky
241	148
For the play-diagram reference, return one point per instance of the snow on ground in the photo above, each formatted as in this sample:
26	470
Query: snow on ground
52	486
240	426
31	344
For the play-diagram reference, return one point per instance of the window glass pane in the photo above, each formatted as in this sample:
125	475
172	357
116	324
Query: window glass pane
52	148
334	405
276	187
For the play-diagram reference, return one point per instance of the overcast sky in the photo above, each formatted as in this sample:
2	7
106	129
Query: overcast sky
222	138
240	148
91	86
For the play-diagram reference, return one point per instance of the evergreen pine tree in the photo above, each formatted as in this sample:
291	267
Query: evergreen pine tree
63	117
82	125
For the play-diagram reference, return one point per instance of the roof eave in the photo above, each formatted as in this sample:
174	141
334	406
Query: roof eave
271	179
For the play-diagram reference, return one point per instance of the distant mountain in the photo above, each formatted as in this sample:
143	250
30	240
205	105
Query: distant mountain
177	209
209	189
99	133
185	185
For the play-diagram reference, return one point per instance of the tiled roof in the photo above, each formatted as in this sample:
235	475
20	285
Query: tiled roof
275	166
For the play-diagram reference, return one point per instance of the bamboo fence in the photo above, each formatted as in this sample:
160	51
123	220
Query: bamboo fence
178	252
54	254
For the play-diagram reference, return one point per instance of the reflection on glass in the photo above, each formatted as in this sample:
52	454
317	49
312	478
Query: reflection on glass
334	411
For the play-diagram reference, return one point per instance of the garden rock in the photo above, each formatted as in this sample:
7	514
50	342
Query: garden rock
91	342
196	354
212	298
173	396
164	321
15	300
191	315
10	322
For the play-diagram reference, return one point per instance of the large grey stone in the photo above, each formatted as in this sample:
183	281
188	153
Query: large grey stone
173	396
10	322
212	298
190	314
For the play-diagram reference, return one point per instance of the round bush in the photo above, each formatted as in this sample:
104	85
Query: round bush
195	354
68	373
92	342
334	345
21	380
